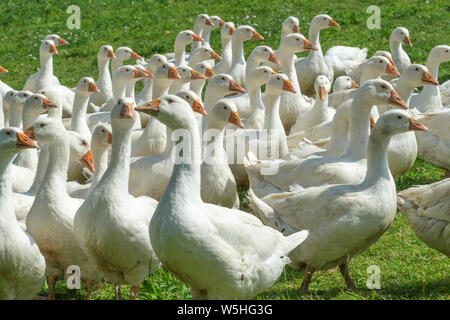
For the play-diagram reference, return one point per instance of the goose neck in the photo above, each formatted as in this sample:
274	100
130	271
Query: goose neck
100	155
432	66
119	90
47	64
103	70
58	163
5	175
197	86
271	110
237	46
79	122
226	51
160	87
15	114
404	90
314	37
377	160
179	50
358	128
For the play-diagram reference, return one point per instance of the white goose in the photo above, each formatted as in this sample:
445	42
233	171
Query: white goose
111	226
217	181
200	23
373	68
44	76
240	35
205	70
100	144
430	97
50	220
220	253
182	39
122	54
341	58
293	103
202	53
187	74
4	88
343	219
152	140
147	91
157	169
22	266
343	87
400	57
427	209
314	64
226	33
290	25
104	82
206	33
348	168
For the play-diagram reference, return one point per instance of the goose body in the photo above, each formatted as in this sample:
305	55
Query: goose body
341	58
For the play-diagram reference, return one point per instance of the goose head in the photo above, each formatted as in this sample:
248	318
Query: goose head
86	86
122	114
290	25
187	36
227	30
106	52
37	104
167	71
322	86
192	99
131	73
102	136
217	21
154	62
261	75
323	21
202	21
187	73
22	96
401	34
379	91
205	69
204	53
56	39
46	131
48	47
397	121
244	33
125	53
224	84
3	70
80	150
277	83
225	112
416	75
12	140
380	65
172	111
262	54
440	54
385	54
296	42
342	83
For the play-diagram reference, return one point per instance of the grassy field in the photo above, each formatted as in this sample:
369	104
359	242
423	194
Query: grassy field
409	269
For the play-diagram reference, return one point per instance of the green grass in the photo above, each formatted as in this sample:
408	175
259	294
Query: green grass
409	268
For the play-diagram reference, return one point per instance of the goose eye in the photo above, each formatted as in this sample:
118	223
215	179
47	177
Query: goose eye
265	50
265	71
381	61
35	98
84	143
8	133
298	39
325	19
103	131
446	51
170	101
187	97
202	67
225	107
84	81
383	86
164	66
42	125
417	69
278	78
106	49
11	94
400	117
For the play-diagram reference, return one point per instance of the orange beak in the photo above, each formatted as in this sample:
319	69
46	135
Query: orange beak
428	78
139	73
372	122
3	70
209	73
215	55
407	41
88	161
257	36
30	132
109	137
396	100
197	107
287	86
53	49
196	75
24	141
354	84
334	24
391	69
151	107
295	29
127	111
209	22
230	32
308	45
322	92
416	125
134	55
234	119
273	58
234	87
48	104
111	54
391	61
196	37
221	22
93	87
173	74
62	42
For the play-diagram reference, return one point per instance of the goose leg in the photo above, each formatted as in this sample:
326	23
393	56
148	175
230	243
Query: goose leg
134	292
118	295
90	287
309	271
51	281
348	281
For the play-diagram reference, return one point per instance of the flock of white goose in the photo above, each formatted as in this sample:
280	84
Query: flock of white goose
138	201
